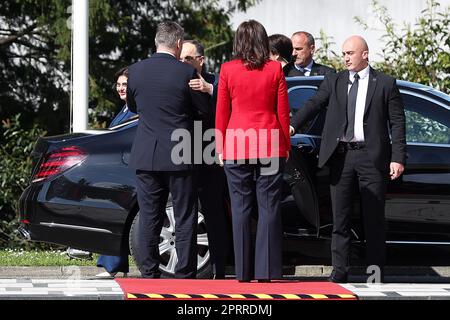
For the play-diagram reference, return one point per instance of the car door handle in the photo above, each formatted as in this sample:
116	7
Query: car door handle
126	157
305	147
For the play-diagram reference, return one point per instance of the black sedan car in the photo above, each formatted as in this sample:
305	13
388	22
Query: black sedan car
82	193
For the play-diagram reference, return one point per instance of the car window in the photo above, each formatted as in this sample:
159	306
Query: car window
297	98
426	121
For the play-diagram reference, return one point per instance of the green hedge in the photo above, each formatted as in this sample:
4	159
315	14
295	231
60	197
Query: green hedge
16	145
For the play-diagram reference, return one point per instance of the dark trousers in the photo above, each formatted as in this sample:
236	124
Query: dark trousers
265	261
153	190
348	168
114	264
212	182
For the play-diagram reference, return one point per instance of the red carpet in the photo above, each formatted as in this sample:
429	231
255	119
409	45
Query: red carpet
230	289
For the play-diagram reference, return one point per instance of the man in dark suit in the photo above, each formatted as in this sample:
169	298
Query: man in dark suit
363	141
303	64
212	180
158	91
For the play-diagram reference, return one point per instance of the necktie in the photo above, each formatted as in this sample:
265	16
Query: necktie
351	106
297	72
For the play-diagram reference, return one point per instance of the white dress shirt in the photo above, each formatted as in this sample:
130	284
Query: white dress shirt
363	84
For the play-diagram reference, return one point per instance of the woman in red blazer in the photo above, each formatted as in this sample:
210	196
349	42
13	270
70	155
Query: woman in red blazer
252	138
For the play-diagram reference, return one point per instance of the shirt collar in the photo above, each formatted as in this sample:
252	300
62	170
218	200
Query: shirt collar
307	68
167	52
362	74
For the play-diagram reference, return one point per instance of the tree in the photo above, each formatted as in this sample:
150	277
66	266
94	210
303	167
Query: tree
325	55
33	79
35	50
35	69
418	53
15	169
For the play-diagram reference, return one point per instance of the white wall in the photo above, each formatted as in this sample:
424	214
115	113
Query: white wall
334	17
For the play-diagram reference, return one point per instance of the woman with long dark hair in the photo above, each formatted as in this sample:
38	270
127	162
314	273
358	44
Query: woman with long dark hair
252	139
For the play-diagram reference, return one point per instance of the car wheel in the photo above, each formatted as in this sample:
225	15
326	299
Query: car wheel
167	252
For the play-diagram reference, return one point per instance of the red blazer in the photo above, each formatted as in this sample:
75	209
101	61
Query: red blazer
252	115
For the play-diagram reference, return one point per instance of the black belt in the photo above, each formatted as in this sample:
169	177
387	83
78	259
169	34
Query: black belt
343	146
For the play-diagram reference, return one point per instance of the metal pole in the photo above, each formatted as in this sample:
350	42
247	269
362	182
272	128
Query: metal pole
80	63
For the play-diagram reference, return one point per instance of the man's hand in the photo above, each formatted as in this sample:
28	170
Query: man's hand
220	157
396	170
200	84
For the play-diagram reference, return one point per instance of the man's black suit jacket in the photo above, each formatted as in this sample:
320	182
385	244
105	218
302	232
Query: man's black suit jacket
210	118
383	122
316	70
158	90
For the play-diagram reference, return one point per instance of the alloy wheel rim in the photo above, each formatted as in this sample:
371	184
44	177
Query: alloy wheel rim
167	251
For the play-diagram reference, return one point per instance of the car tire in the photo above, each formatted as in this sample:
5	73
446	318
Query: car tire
168	257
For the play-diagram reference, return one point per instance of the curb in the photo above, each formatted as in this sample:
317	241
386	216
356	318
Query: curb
440	273
56	272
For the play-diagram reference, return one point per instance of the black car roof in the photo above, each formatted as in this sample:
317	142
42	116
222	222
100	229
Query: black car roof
402	84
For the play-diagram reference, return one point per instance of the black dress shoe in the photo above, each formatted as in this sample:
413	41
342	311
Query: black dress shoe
338	277
263	280
244	280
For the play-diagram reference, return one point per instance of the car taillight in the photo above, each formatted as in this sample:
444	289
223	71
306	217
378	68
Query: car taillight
59	161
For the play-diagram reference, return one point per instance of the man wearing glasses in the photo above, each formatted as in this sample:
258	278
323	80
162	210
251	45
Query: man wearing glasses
194	54
212	179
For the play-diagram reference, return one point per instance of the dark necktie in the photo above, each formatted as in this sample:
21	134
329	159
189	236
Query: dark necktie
351	106
296	72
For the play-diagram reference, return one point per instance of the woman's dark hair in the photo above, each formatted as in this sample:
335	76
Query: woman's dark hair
281	45
251	44
121	72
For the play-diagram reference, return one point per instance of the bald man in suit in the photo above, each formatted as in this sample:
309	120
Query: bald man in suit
363	142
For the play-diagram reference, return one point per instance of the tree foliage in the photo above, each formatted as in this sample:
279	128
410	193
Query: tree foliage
35	50
33	79
325	55
35	70
15	169
418	52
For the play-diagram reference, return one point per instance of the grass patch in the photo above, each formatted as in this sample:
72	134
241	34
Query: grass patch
36	258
